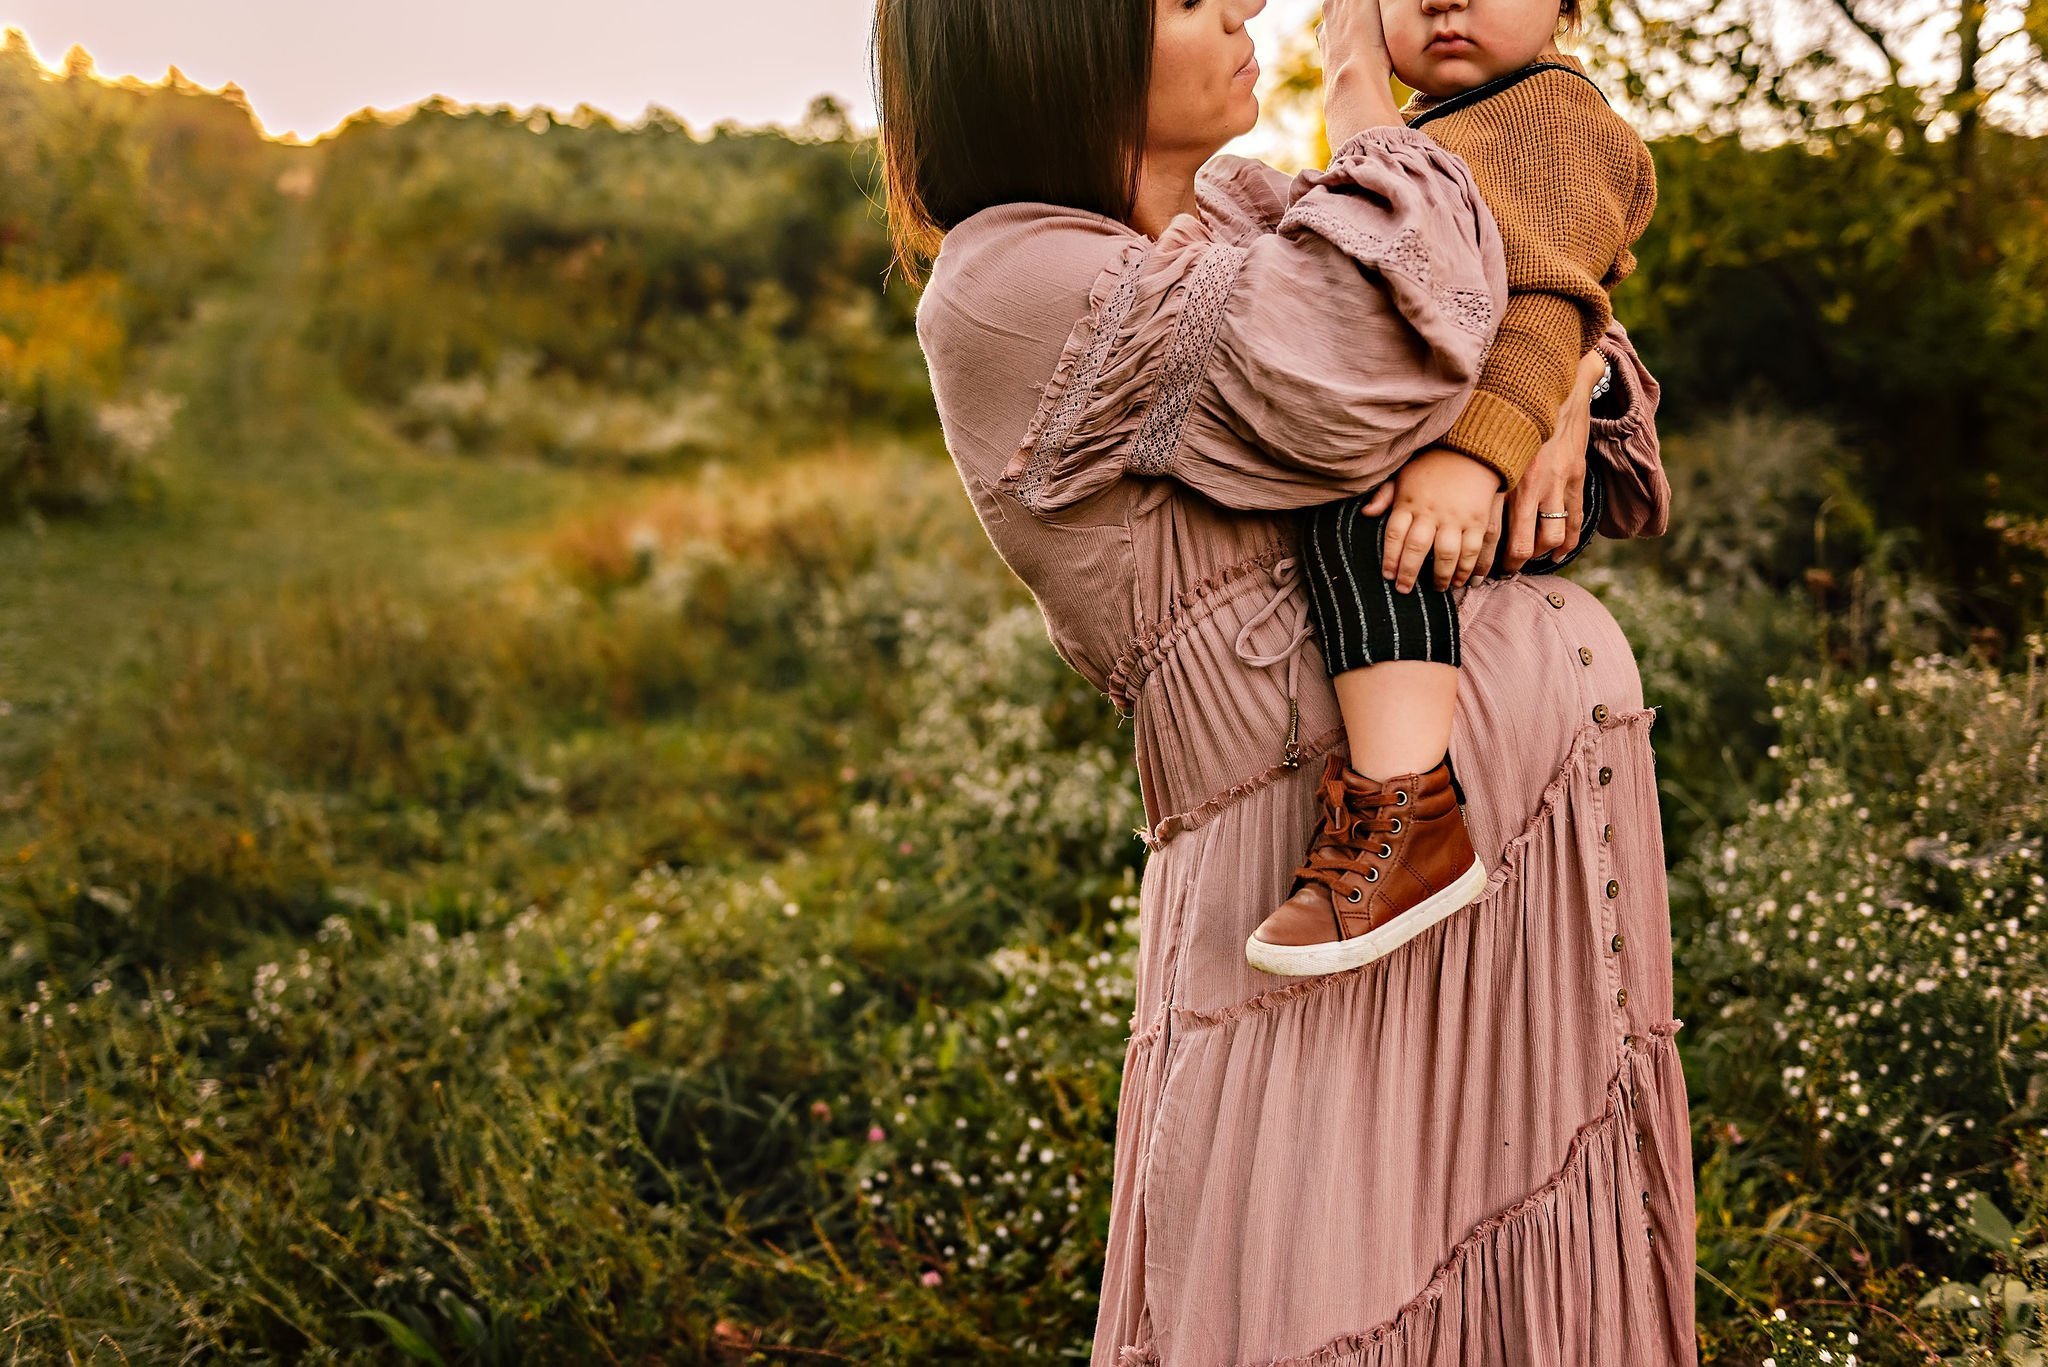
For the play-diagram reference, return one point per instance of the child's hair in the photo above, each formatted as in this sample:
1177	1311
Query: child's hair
1568	14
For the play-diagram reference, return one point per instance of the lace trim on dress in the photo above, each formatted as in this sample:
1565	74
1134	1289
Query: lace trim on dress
1187	359
1060	407
1406	253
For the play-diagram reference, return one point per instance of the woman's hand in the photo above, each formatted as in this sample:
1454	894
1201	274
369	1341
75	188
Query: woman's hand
1555	481
1444	505
1356	68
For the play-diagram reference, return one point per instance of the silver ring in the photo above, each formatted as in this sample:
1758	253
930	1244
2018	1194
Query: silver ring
1552	514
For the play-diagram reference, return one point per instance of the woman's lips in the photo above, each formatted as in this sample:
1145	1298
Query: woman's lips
1249	71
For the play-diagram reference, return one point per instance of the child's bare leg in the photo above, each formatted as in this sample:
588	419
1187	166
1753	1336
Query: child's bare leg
1397	715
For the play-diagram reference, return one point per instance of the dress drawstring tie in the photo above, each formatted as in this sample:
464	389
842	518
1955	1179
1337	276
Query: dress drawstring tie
1284	572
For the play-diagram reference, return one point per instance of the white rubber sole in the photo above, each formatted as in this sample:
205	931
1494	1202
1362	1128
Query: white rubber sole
1336	956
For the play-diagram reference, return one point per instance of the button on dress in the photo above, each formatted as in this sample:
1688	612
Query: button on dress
1474	1150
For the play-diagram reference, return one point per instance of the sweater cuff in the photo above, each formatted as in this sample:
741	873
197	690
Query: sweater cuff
1496	432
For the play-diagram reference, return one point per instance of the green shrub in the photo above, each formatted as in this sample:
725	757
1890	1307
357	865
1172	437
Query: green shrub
1866	966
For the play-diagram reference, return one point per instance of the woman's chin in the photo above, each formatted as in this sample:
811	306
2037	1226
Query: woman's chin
1248	117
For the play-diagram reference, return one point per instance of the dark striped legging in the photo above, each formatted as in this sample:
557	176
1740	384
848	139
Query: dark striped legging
1361	618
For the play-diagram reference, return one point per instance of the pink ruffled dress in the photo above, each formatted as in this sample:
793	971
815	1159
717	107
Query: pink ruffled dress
1472	1151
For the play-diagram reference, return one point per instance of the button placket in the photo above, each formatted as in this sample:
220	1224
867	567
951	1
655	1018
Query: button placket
1604	879
1638	1174
1606	887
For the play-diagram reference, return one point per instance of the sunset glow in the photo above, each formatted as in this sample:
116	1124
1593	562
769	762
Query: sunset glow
307	67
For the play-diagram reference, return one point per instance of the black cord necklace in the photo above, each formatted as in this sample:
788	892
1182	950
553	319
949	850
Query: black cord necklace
1477	93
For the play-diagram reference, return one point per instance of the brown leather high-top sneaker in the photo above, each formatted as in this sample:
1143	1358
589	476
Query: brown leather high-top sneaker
1389	859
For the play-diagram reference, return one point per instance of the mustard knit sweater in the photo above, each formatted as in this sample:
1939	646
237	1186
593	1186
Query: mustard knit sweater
1572	187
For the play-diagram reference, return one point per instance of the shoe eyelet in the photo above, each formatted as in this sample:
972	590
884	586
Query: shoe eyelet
1397	827
1400	797
1355	895
1386	850
1371	876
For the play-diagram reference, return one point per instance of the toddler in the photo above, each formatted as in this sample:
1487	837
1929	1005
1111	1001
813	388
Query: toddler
1571	187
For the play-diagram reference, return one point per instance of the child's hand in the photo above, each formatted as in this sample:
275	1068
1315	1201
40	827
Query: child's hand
1443	502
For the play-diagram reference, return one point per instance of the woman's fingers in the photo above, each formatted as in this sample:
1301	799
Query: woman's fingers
1489	546
1351	29
1521	526
1550	530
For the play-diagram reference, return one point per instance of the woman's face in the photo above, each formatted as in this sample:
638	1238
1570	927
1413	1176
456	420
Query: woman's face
1203	74
1491	38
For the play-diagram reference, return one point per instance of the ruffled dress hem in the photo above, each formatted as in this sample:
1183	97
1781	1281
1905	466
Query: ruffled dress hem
1525	1243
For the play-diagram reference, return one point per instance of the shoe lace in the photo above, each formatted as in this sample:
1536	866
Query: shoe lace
1348	817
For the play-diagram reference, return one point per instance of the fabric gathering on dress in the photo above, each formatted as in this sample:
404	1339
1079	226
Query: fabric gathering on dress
1474	1150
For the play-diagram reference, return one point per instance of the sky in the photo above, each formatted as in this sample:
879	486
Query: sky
307	65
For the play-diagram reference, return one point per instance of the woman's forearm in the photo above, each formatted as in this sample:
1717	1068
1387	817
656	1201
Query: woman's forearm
1357	95
1357	72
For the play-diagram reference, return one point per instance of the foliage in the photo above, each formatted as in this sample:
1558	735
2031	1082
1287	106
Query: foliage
119	203
1835	240
604	1099
1824	280
358	740
1865	961
701	928
493	274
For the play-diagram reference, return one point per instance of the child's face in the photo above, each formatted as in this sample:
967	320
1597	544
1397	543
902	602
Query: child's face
1499	36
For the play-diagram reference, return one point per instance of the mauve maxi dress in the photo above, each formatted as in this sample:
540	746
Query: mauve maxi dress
1474	1150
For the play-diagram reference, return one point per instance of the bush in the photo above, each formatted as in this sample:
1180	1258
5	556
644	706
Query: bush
1867	958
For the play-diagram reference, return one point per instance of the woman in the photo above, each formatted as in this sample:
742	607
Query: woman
1474	1150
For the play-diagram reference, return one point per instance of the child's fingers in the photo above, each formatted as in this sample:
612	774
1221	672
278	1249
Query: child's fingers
1449	548
1380	499
1415	549
1393	539
1476	540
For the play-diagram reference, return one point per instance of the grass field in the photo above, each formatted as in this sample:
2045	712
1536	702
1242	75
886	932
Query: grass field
476	909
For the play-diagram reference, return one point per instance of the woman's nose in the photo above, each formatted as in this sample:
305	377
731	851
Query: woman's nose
1246	9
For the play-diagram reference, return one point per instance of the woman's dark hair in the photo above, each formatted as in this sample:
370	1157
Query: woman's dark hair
985	102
